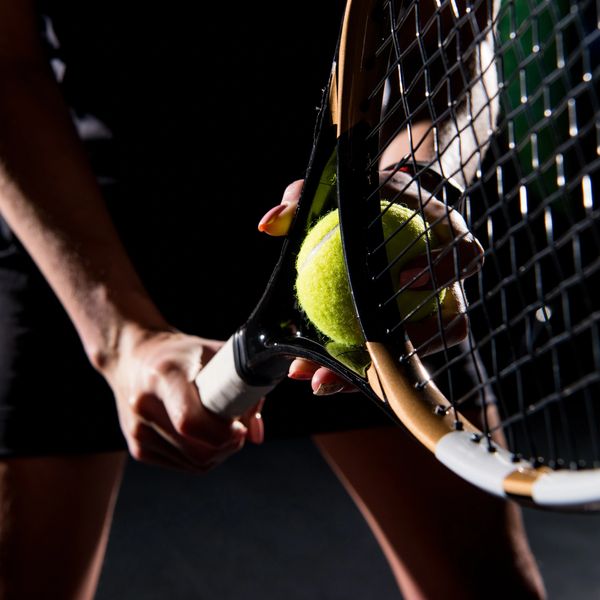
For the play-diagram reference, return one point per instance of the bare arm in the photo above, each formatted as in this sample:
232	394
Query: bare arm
49	197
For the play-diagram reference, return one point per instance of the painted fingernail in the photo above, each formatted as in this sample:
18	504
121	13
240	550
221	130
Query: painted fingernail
271	217
327	389
256	429
300	375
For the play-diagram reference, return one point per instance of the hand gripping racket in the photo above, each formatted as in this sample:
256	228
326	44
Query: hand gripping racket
501	380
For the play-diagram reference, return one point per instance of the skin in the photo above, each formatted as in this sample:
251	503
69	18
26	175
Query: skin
427	520
54	548
50	199
456	243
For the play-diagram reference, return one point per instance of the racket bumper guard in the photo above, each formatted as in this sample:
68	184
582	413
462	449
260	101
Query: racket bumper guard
474	462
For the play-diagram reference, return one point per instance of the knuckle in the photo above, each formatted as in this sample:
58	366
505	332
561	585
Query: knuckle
460	327
167	367
182	421
136	431
471	256
136	403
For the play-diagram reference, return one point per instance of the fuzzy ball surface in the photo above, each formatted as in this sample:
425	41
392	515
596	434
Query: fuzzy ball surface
322	286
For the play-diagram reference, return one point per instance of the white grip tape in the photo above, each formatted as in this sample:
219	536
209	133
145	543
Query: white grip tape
222	390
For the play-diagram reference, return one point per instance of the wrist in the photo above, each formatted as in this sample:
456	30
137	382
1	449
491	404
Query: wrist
119	322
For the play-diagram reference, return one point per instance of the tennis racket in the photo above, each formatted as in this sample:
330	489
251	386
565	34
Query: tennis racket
501	380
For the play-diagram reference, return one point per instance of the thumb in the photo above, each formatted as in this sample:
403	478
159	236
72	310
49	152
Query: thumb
277	221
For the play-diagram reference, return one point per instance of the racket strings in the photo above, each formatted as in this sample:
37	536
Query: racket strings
409	106
543	231
520	127
554	246
541	340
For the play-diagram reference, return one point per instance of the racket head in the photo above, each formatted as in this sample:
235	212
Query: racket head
509	398
525	423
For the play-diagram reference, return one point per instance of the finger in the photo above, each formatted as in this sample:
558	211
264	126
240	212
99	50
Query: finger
323	380
325	383
445	328
254	423
302	369
447	224
199	451
464	255
459	259
277	221
447	266
149	447
188	415
292	192
256	429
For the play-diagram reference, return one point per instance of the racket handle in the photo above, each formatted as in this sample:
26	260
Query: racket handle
222	390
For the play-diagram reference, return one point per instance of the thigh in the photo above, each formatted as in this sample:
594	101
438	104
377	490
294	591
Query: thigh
443	537
54	521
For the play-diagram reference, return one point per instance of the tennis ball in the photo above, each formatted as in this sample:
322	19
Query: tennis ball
322	286
356	358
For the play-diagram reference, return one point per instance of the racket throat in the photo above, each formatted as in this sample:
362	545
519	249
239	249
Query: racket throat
255	362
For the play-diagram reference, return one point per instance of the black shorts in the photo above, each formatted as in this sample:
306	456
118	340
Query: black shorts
51	399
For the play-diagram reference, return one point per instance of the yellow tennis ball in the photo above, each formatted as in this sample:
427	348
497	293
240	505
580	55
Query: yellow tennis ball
322	286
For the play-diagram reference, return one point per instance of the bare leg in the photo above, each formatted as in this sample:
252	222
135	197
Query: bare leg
443	538
54	523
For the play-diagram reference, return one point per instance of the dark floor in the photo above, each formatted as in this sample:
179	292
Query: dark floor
567	547
274	524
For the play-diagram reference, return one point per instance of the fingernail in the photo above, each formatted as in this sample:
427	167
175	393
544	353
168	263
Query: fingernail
271	217
300	375
238	427
327	389
256	429
407	276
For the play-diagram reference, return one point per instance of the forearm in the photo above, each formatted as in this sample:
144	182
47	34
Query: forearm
50	198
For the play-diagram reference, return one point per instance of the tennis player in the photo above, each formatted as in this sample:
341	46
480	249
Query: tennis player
94	299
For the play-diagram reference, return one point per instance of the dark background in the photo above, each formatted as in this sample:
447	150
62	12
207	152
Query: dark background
212	107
